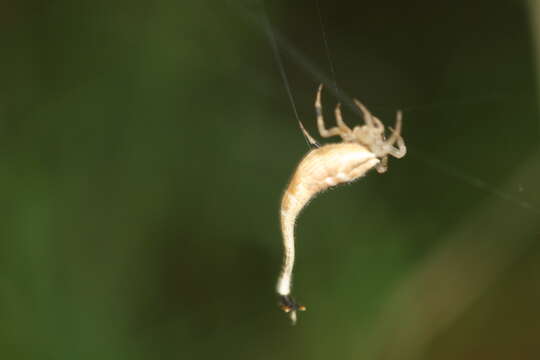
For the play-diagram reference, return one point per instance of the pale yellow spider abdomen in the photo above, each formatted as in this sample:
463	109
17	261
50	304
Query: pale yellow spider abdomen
363	148
322	168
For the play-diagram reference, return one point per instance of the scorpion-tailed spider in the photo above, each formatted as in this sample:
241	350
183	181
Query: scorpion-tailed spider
362	148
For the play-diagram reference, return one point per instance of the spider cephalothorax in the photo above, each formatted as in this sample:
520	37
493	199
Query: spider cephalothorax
364	147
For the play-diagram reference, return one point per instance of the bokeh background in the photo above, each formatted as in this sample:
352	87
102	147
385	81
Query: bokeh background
145	147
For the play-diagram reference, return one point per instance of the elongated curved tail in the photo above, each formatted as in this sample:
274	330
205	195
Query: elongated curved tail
290	208
285	278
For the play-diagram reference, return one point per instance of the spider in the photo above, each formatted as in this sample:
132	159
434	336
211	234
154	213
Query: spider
363	147
371	135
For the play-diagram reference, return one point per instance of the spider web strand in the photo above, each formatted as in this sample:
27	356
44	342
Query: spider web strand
277	56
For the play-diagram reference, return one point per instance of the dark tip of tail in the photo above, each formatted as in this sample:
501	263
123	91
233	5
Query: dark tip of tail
288	304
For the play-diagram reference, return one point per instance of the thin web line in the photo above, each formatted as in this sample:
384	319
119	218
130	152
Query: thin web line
326	47
475	181
277	55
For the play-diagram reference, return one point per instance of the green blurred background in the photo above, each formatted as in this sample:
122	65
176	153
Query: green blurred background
145	147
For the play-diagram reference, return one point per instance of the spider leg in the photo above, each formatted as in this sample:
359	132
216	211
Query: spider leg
401	149
339	119
396	138
346	132
396	134
320	120
378	123
367	115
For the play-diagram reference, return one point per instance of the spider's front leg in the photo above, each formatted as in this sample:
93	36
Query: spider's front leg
342	129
